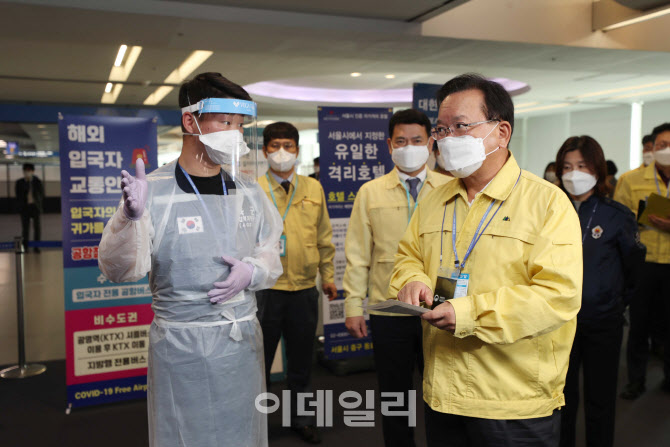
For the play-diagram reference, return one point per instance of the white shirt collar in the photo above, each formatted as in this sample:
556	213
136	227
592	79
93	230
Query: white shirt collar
279	179
421	176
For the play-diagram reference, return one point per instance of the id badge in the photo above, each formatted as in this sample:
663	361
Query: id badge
450	284
282	245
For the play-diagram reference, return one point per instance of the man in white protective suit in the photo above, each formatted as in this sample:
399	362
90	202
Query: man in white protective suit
208	237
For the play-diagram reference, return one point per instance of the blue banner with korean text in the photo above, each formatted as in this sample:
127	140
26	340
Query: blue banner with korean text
424	98
106	324
353	150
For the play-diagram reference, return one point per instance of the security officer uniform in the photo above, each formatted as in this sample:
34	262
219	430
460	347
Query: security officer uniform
613	256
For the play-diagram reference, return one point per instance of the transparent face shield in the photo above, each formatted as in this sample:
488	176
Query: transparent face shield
235	143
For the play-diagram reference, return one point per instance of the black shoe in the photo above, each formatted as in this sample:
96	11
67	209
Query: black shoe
36	250
308	433
665	386
633	391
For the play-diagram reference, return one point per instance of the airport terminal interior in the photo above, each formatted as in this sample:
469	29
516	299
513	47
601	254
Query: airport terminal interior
572	67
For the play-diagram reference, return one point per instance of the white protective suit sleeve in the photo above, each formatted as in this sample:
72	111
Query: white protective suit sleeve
265	259
124	254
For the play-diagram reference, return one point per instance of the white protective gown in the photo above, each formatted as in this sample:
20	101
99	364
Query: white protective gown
205	361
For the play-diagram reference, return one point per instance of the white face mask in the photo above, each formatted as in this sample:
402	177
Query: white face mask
282	160
662	157
409	158
578	182
463	155
223	147
440	162
647	158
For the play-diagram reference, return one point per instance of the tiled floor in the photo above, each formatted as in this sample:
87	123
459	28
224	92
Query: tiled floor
43	295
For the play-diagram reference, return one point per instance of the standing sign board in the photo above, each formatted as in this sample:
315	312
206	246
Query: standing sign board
106	324
353	151
424	98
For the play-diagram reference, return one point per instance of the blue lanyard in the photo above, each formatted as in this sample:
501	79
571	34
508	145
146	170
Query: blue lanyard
197	193
290	201
411	209
588	225
478	234
658	188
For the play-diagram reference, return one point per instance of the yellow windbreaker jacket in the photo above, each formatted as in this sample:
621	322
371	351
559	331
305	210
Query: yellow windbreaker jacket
378	220
309	243
635	186
508	357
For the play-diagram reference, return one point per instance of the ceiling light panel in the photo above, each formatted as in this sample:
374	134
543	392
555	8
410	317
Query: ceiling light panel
622	89
635	94
642	18
120	54
196	59
525	104
120	73
178	75
157	95
537	109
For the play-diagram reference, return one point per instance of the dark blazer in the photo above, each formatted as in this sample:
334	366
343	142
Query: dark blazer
22	188
613	258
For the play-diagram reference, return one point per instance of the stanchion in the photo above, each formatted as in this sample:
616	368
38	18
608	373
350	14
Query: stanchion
23	369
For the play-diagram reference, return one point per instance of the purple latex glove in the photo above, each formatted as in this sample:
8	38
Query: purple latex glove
238	280
134	191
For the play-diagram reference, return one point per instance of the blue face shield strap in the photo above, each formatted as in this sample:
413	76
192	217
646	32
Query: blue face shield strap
222	105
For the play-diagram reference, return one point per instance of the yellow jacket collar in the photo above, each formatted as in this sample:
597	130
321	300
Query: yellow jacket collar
650	171
393	180
499	188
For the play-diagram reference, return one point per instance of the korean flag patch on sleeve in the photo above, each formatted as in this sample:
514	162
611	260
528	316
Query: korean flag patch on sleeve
189	225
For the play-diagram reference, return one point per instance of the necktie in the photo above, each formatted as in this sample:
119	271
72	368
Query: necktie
285	184
413	185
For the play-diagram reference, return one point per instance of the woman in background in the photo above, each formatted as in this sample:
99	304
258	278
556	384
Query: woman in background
550	173
612	255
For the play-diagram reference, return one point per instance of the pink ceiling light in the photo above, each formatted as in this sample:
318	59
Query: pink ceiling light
278	90
314	94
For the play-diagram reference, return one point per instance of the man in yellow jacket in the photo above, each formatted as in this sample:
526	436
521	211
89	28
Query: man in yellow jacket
647	156
380	215
290	308
500	249
633	190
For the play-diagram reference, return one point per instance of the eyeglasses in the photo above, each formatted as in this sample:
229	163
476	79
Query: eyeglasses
662	145
289	145
459	129
402	141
